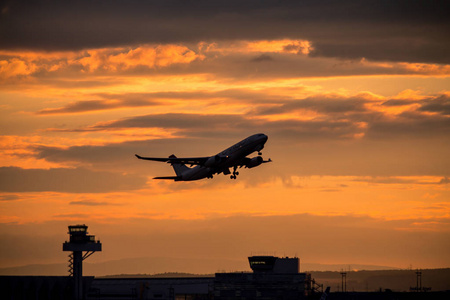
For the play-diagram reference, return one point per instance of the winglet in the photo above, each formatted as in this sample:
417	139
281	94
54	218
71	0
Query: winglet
138	156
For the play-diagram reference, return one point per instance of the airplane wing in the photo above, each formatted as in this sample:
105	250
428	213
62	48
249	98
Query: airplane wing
175	160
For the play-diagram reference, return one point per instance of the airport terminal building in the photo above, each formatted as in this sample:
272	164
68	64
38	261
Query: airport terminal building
272	278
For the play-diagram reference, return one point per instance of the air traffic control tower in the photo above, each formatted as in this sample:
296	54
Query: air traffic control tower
79	242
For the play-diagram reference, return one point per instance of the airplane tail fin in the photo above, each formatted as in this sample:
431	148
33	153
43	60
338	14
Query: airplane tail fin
178	168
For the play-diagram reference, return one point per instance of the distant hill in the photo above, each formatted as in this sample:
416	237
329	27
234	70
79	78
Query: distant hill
158	265
395	280
309	267
36	269
144	265
159	275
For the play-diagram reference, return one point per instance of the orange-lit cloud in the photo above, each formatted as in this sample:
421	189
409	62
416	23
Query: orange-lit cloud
432	69
95	60
145	59
262	46
289	46
146	56
15	67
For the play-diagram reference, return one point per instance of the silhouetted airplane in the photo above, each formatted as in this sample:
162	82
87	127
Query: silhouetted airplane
206	167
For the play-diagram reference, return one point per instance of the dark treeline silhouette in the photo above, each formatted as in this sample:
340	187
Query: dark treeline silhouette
394	280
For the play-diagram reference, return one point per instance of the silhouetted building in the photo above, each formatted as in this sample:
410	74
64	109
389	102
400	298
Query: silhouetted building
272	264
192	288
272	278
39	287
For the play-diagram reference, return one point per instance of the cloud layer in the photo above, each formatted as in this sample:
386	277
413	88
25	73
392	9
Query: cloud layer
384	28
66	180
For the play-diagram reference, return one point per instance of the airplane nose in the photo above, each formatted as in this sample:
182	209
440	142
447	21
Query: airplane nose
260	138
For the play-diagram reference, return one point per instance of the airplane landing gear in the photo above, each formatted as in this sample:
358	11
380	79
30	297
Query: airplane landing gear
235	174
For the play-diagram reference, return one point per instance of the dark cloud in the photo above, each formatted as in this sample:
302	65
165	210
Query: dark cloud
342	117
180	121
79	180
262	57
9	197
321	104
384	30
93	105
293	48
195	125
315	130
81	106
235	67
444	180
397	180
438	207
390	46
398	102
71	216
410	125
128	100
439	105
330	190
81	154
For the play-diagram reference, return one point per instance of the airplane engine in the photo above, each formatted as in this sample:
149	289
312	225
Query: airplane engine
213	161
254	162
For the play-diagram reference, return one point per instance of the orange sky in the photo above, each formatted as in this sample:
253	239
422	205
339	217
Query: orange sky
359	146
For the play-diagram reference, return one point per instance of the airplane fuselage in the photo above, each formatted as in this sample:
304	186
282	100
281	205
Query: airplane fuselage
232	155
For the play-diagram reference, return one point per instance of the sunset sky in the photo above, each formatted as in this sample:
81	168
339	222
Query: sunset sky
354	97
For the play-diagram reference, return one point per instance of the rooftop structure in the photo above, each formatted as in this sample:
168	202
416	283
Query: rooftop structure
272	264
272	278
80	240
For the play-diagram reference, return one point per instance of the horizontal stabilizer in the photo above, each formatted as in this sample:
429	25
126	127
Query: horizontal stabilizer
176	178
153	158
